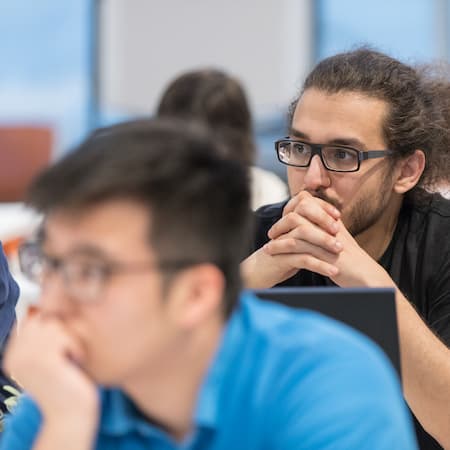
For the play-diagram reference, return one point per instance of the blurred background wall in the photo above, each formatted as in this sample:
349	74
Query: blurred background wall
68	66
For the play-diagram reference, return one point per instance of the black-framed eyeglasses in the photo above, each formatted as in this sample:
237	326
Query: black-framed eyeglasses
84	277
337	158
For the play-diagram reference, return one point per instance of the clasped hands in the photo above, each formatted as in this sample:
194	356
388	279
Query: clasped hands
310	235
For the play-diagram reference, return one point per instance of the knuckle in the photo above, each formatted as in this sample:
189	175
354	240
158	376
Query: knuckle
304	260
290	244
328	242
291	217
302	195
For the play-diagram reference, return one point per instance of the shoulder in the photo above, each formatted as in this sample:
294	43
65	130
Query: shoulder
424	225
323	372
264	218
21	426
427	208
270	212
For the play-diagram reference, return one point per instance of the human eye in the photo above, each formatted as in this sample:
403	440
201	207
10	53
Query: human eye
86	271
340	158
300	148
343	154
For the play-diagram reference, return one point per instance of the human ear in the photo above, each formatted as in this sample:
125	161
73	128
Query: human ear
197	295
409	170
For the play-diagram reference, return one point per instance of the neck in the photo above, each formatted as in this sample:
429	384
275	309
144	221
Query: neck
375	240
167	391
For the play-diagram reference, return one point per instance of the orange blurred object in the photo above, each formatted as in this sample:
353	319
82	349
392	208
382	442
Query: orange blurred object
11	246
24	151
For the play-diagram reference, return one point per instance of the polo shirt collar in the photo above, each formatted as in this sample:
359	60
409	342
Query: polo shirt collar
120	416
208	406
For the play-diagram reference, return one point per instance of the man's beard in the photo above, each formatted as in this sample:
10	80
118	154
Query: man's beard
365	212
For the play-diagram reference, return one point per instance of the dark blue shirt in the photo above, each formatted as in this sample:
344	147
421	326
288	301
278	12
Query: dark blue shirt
281	379
9	293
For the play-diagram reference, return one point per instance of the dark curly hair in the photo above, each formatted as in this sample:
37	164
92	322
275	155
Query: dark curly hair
414	119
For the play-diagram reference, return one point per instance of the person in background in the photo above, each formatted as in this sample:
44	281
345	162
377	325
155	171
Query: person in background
217	99
366	138
142	338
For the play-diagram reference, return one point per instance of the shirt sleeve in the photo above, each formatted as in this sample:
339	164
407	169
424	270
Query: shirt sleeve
342	397
21	427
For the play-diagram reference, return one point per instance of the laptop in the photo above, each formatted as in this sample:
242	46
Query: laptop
369	310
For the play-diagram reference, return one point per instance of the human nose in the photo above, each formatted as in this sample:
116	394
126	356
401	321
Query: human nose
316	175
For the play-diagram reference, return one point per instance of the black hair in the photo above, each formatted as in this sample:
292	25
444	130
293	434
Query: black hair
197	198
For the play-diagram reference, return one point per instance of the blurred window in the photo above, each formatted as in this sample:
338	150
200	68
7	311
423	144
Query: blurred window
413	31
45	76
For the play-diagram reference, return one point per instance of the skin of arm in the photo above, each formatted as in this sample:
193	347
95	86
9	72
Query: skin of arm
425	360
66	397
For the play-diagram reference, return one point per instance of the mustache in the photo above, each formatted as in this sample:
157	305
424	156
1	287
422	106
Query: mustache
321	194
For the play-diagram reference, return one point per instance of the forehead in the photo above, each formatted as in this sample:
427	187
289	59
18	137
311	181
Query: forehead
115	228
323	117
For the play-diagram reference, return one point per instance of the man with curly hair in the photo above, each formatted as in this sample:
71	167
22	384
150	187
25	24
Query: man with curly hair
366	136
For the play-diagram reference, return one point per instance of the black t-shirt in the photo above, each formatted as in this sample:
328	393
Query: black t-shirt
417	259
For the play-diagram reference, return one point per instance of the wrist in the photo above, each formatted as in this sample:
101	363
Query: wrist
68	431
249	274
379	278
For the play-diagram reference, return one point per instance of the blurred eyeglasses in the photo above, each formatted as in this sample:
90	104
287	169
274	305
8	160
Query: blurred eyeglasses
84	277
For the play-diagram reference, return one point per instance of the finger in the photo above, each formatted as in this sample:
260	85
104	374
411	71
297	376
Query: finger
71	347
50	333
316	213
297	227
309	262
305	197
291	204
297	246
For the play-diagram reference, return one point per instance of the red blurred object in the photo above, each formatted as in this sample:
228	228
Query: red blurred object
24	152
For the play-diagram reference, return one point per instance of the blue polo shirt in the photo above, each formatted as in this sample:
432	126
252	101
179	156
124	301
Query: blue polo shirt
280	379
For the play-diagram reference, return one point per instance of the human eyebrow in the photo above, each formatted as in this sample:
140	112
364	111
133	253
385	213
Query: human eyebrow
83	251
353	142
89	251
297	134
348	142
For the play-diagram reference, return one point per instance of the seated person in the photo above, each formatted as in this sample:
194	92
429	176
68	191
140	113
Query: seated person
217	99
364	142
148	342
